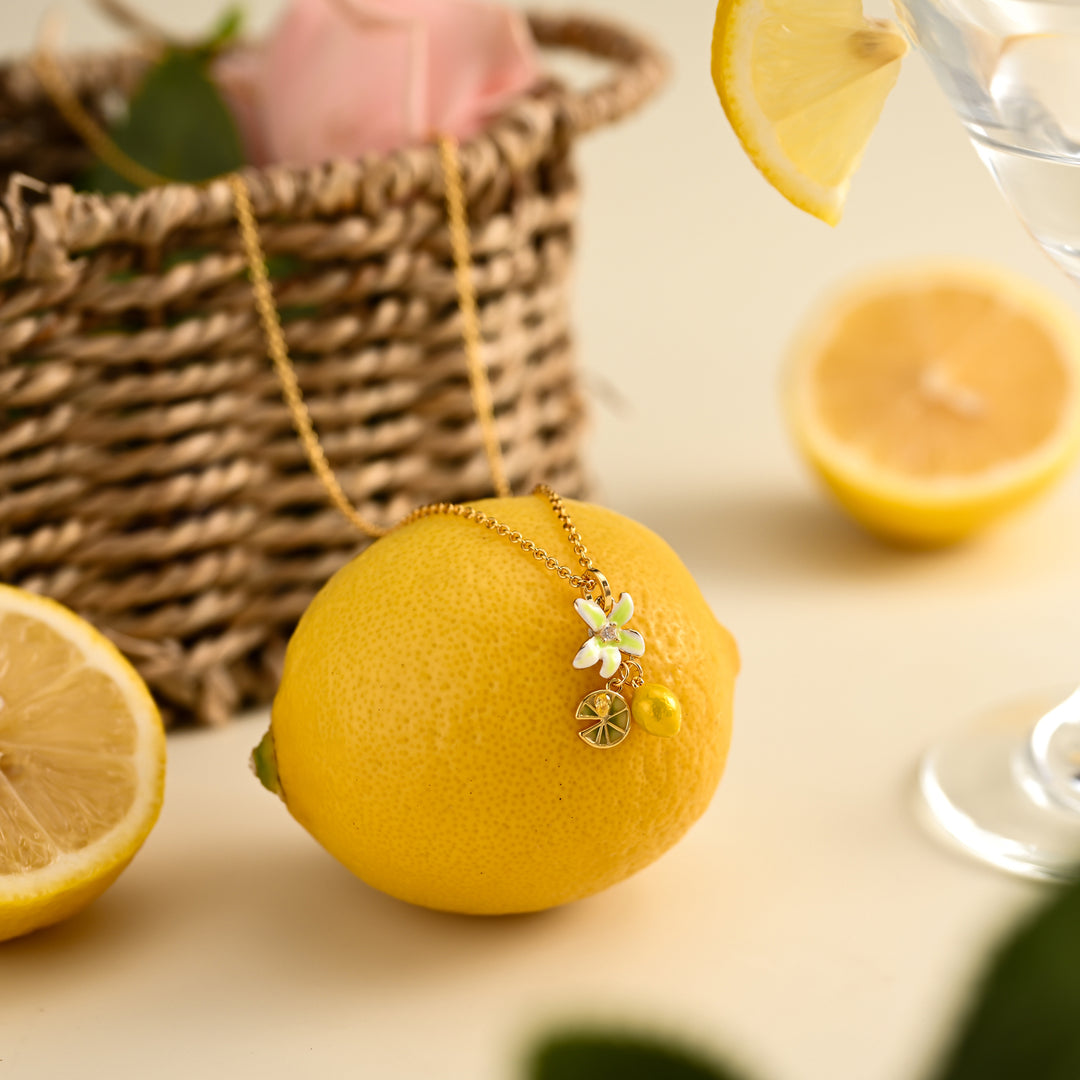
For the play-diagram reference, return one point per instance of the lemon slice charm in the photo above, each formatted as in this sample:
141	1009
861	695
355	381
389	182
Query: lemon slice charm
609	717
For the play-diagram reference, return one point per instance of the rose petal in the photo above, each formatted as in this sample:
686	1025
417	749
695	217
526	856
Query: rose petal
238	74
341	80
337	79
482	56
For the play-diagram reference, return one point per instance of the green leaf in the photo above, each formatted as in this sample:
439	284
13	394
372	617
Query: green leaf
177	125
226	31
607	1056
1025	1022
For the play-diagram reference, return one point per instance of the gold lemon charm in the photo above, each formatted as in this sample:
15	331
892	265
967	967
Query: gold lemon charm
610	718
657	710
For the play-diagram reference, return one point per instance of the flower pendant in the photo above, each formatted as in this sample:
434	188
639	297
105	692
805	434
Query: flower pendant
609	638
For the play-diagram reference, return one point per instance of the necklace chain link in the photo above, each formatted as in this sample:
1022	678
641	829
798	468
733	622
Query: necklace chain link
590	582
100	142
586	582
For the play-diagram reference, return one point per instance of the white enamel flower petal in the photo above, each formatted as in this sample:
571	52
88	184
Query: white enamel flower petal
591	612
631	642
623	610
588	654
612	660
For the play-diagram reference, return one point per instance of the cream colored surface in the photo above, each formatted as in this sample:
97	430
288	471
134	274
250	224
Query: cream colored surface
806	925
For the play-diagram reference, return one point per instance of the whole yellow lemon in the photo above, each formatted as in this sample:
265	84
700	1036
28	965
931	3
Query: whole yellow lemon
424	731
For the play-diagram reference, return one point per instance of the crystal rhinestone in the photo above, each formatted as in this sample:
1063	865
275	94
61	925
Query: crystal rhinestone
610	632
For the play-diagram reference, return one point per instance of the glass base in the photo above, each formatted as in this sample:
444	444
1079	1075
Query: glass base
1005	798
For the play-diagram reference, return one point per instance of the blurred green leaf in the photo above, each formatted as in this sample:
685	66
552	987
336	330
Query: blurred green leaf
600	1056
1025	1024
225	31
282	266
179	256
177	125
292	312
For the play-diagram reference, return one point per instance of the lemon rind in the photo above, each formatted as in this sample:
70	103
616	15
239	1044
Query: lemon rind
766	155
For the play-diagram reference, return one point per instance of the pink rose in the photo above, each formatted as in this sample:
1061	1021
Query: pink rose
341	78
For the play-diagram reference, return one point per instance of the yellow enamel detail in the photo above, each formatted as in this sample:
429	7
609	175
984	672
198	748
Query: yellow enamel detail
657	710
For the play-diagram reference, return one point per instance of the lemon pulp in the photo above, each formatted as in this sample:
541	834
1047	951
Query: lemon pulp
81	762
935	397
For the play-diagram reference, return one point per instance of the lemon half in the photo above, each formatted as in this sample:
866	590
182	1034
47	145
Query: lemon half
82	763
933	398
803	83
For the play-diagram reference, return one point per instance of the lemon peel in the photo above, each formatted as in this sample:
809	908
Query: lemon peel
424	731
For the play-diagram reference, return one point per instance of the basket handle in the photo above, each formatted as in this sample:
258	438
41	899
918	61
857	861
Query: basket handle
640	67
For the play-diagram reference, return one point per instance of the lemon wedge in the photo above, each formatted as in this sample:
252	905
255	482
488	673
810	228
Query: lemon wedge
933	398
803	83
82	763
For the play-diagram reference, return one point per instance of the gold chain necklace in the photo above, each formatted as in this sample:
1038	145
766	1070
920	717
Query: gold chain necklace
610	643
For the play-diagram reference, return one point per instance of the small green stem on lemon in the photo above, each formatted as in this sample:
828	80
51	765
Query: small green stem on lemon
264	764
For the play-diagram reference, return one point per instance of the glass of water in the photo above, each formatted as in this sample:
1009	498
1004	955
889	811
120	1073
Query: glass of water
1008	788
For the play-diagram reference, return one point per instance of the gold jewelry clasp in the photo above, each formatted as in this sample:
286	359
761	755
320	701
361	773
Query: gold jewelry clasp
625	677
605	599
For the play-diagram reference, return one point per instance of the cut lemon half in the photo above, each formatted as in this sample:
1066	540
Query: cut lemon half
803	83
933	398
82	763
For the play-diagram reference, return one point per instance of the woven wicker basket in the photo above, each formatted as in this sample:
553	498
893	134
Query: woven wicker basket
149	475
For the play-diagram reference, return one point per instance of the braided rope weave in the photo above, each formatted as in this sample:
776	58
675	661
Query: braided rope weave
149	474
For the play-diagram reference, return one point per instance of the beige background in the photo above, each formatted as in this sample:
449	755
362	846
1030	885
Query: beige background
806	925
